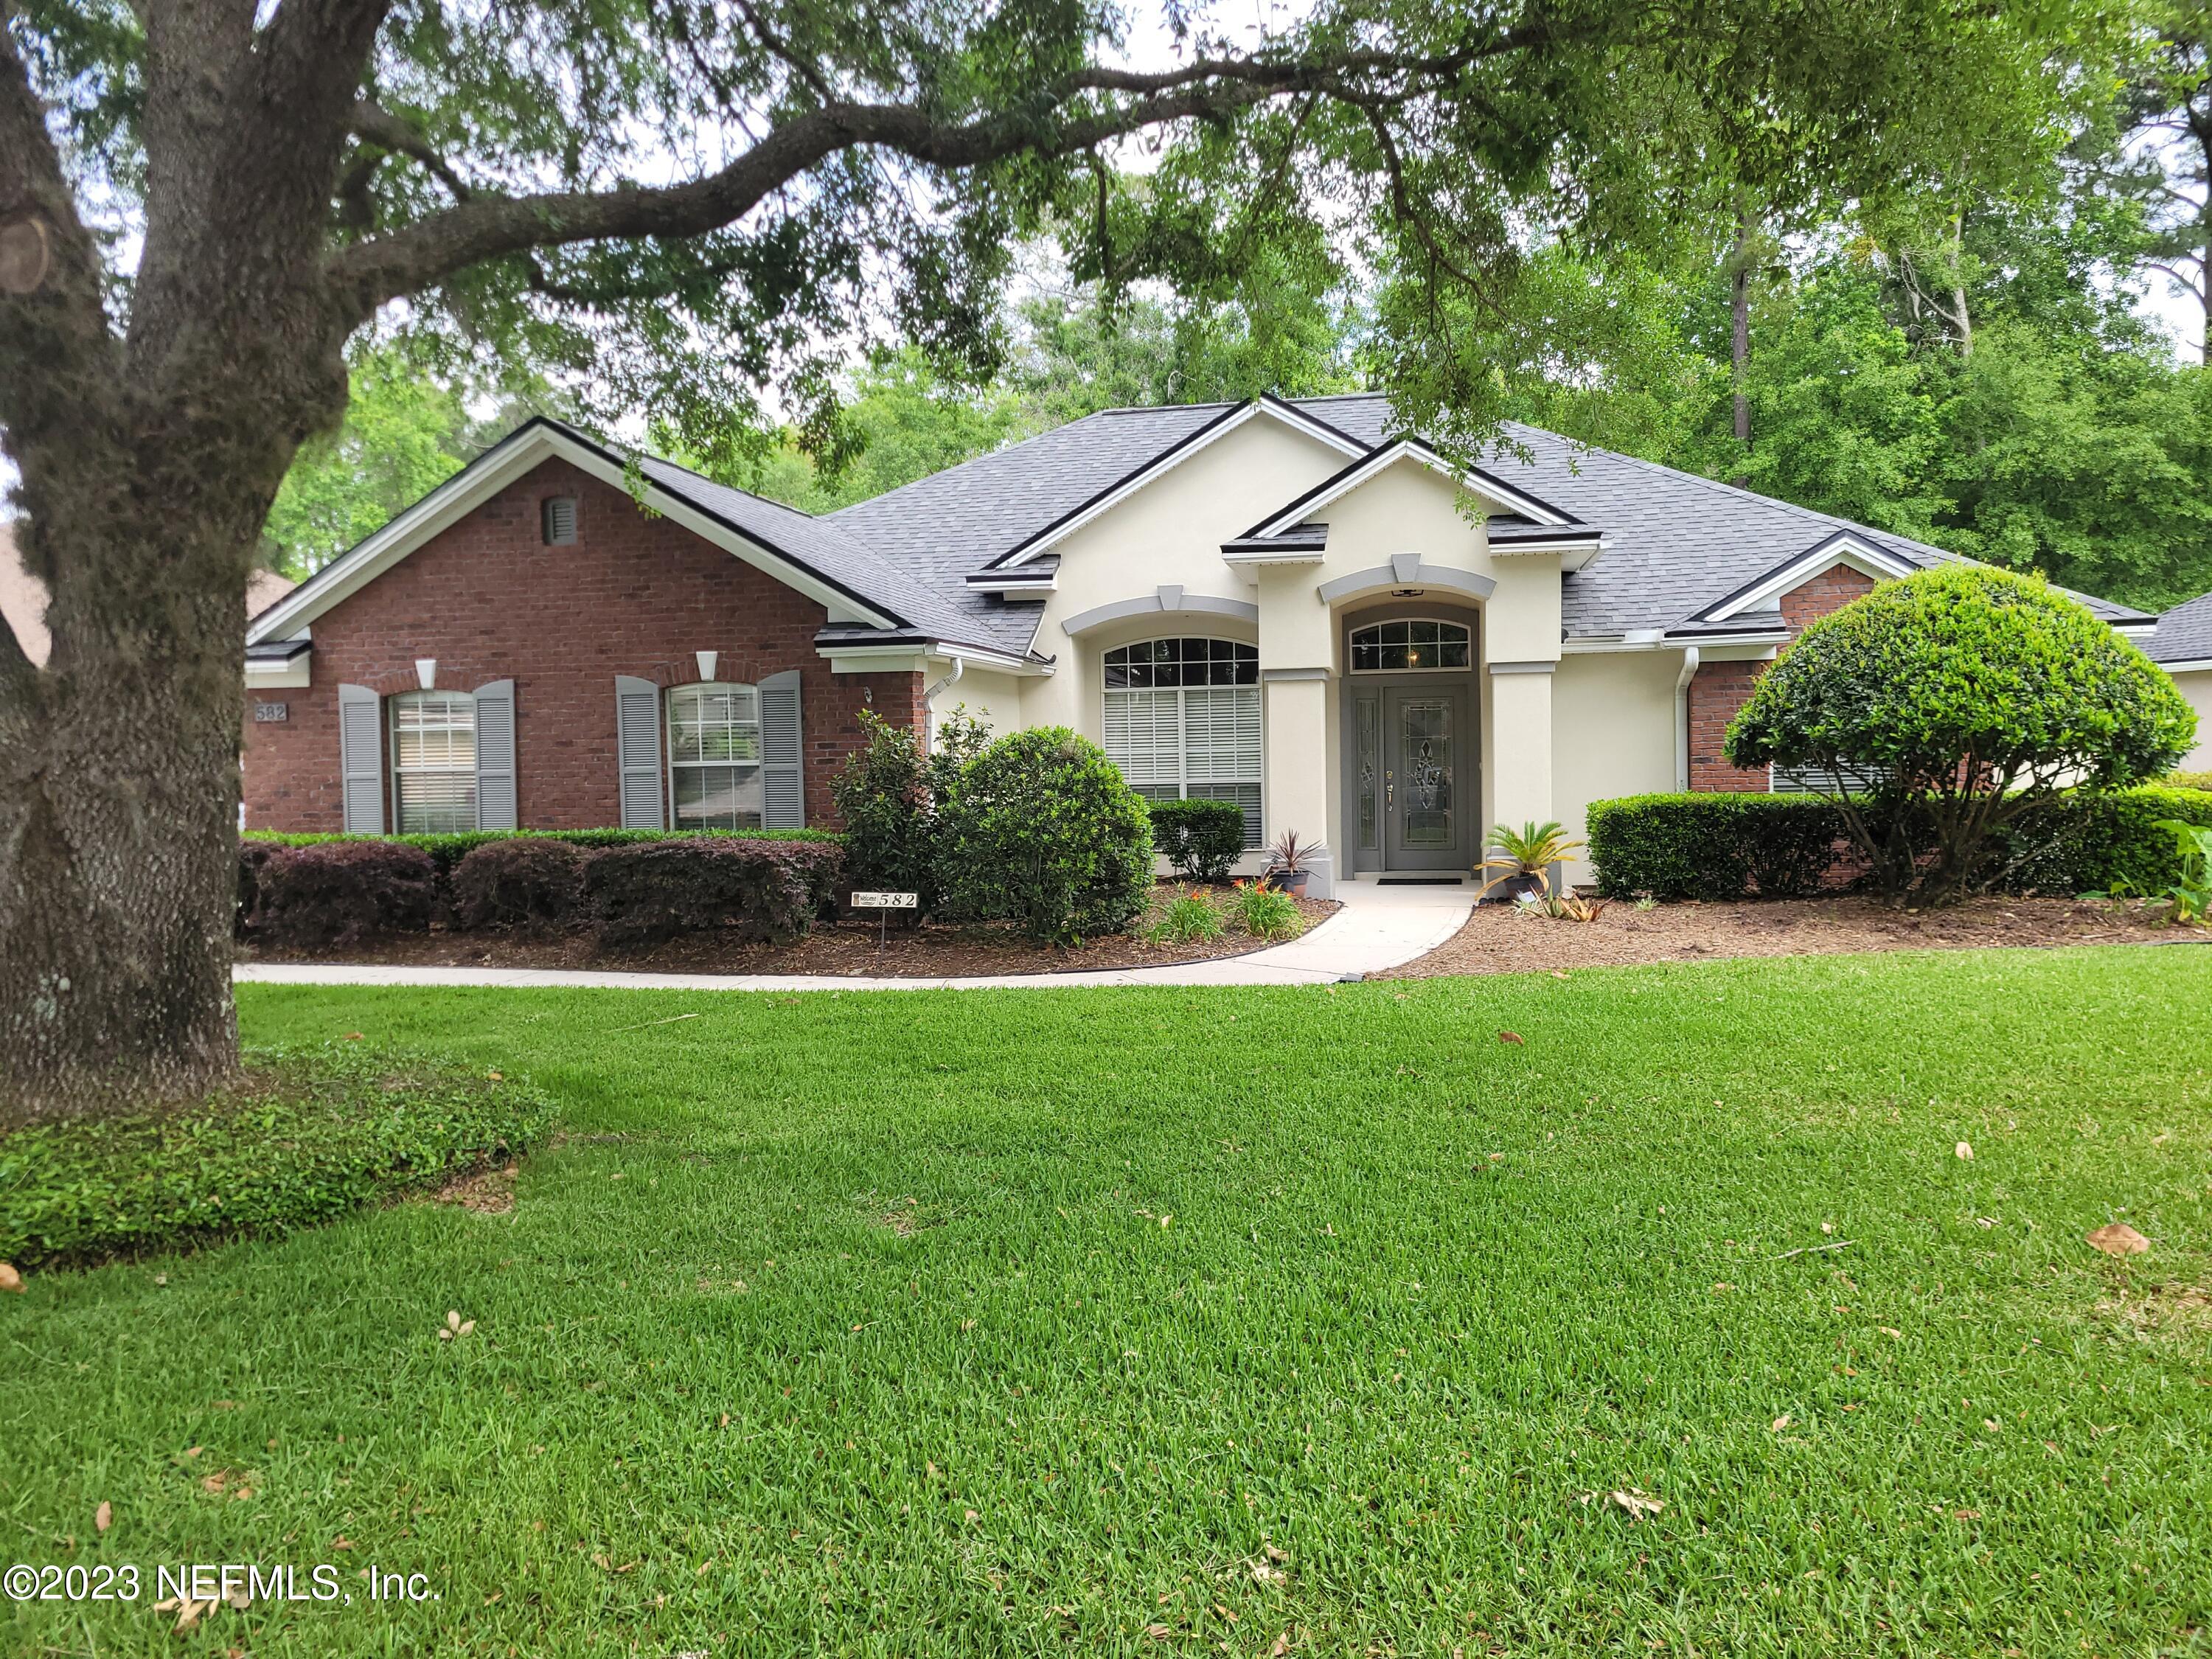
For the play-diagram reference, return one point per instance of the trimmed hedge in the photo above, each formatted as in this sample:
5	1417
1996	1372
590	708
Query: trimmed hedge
448	850
767	890
522	879
1720	847
308	1135
310	896
1200	838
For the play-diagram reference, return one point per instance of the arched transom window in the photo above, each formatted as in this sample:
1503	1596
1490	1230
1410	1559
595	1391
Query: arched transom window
1182	721
714	758
1410	643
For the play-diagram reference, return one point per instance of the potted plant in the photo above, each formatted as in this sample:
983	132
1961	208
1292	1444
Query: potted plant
1524	858
1286	862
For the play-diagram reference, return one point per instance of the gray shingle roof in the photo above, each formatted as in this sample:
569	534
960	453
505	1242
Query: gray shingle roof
1675	541
826	549
942	527
2184	633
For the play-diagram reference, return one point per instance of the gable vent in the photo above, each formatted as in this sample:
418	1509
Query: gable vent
559	520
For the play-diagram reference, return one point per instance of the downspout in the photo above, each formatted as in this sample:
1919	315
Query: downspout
1682	719
928	714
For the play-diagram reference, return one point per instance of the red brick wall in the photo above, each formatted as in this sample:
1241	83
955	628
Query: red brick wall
1719	688
632	595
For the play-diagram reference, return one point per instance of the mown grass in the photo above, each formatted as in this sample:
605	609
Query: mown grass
986	1323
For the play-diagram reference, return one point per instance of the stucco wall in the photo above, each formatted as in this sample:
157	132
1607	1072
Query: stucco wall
993	698
1167	534
1612	732
2197	688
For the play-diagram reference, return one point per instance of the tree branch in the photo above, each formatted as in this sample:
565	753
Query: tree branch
380	127
420	256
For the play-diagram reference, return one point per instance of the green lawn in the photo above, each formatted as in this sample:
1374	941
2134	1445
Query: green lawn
1422	1294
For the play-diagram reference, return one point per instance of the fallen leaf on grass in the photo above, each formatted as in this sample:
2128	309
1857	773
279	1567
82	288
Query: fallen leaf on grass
1158	1632
1781	1422
454	1326
353	1036
1513	1037
1966	1515
1892	1332
1634	1501
1273	1553
103	1518
9	1278
1964	1151
2117	1238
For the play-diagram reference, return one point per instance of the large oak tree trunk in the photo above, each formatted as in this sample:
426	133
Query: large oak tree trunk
119	776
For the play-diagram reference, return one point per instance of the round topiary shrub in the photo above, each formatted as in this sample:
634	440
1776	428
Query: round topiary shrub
1943	707
530	880
1046	834
330	894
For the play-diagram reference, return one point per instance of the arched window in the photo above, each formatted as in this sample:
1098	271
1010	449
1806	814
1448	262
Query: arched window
1410	643
434	761
714	758
1182	721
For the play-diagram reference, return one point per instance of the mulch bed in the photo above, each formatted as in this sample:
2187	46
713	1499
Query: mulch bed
845	948
1499	940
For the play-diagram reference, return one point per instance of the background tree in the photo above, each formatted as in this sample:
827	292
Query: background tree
671	204
1940	708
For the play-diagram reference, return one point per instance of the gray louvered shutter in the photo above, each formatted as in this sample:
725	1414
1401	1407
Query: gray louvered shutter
361	759
637	742
495	794
783	804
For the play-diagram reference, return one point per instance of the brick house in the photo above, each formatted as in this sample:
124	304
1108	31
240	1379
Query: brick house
1284	603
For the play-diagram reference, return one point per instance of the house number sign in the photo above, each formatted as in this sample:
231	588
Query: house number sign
264	713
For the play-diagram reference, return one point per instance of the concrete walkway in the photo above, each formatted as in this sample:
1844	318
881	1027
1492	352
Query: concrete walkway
1378	927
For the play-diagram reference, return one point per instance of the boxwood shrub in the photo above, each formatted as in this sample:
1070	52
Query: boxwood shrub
308	1134
1200	838
1719	847
1045	833
764	890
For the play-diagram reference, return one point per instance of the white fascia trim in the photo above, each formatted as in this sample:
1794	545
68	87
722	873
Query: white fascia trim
1576	552
2130	629
1636	639
1305	556
1013	589
291	675
861	657
2190	665
1841	548
1295	419
491	472
1480	483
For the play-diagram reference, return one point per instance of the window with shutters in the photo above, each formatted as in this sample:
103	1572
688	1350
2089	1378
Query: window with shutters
1182	721
559	520
434	761
714	758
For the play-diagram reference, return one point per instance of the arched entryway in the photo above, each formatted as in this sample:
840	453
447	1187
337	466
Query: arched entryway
1412	736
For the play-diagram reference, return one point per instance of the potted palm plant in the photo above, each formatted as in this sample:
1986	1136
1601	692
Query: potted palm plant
1286	861
1523	859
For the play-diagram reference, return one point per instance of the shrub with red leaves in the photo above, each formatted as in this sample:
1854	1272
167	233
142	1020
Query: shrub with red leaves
528	879
764	890
332	894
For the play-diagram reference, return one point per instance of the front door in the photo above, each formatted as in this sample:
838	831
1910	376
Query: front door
1415	787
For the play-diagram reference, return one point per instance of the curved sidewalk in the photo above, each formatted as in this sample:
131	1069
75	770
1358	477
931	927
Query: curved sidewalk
1378	927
